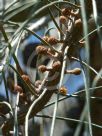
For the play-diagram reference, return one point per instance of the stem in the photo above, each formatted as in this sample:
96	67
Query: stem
9	46
7	95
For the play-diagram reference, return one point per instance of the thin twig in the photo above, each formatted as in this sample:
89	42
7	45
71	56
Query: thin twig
76	94
50	12
7	95
88	66
43	41
60	84
68	119
39	11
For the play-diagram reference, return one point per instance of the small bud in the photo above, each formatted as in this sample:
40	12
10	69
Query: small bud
44	51
42	68
45	38
26	78
76	71
17	88
37	83
56	65
52	40
63	90
41	50
63	19
66	11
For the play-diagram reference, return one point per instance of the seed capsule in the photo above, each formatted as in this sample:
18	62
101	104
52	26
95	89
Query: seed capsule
56	65
63	90
17	88
52	40
46	38
42	68
37	83
76	71
63	19
41	50
66	11
26	78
